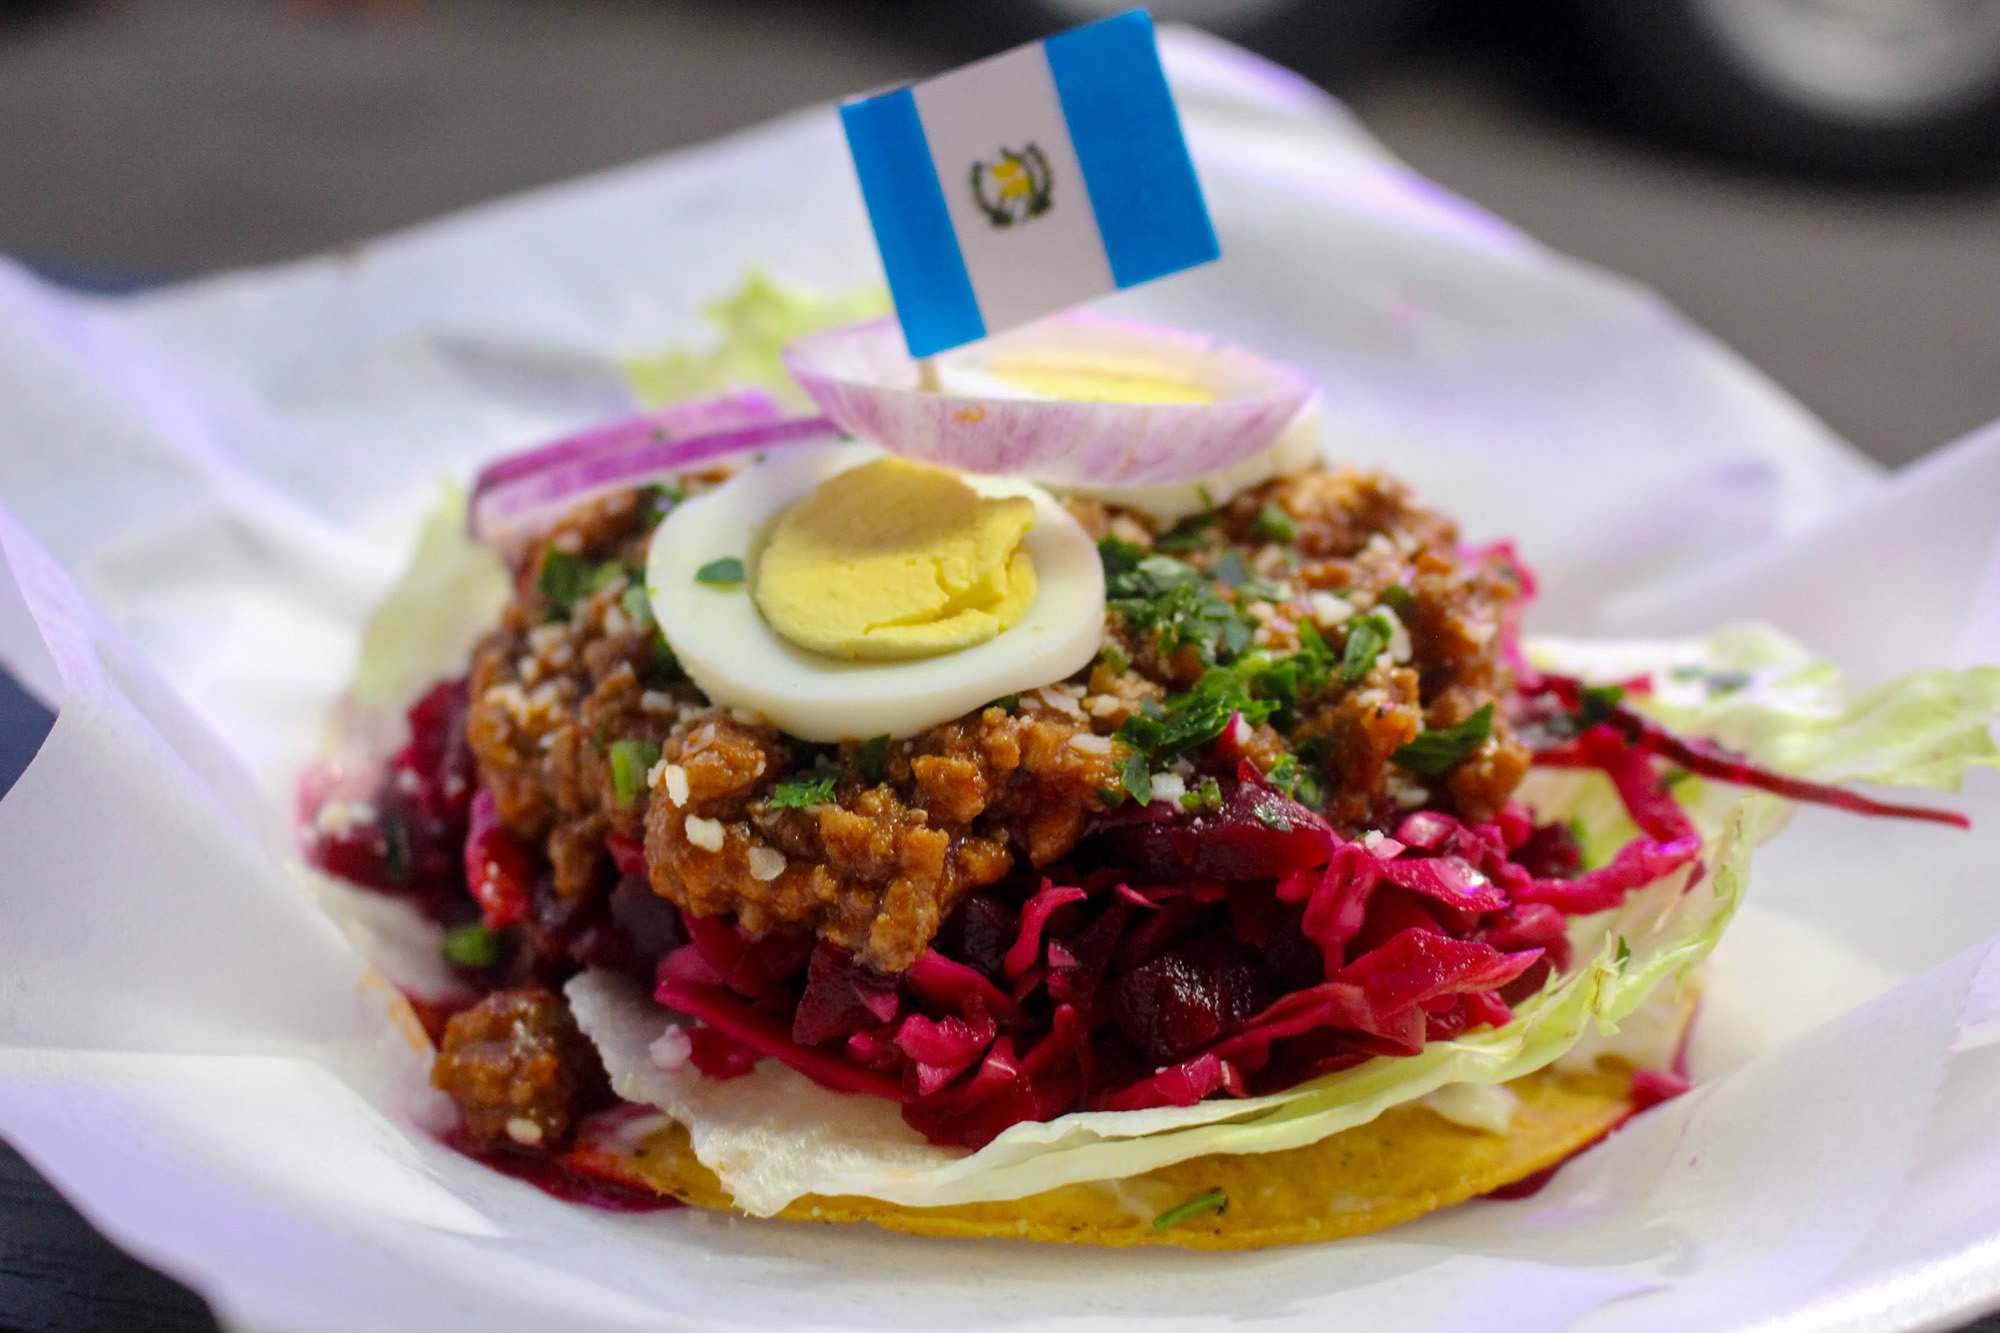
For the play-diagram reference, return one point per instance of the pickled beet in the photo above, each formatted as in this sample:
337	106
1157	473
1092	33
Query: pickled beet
1185	998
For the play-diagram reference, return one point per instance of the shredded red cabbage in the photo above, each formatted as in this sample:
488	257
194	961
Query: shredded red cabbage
1705	759
1179	955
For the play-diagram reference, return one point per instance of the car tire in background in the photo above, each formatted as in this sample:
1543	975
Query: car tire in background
1331	41
1865	89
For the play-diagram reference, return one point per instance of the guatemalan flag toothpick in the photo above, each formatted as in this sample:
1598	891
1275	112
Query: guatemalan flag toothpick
1028	183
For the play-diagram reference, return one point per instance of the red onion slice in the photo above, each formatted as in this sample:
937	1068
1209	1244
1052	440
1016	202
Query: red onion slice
525	501
862	377
677	421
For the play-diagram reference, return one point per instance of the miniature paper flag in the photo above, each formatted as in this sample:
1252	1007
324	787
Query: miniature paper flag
1028	182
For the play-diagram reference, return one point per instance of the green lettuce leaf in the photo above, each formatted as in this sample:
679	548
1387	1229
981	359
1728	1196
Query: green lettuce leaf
755	323
452	593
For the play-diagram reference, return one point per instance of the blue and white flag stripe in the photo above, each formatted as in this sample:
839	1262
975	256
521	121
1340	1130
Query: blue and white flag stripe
1028	183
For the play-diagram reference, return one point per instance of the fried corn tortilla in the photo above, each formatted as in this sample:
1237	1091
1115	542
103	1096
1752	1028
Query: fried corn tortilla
1405	1163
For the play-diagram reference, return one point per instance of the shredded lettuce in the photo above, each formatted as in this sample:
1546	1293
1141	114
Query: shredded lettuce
755	323
452	592
1754	690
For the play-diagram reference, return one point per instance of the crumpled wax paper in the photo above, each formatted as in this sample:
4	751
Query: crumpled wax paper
211	486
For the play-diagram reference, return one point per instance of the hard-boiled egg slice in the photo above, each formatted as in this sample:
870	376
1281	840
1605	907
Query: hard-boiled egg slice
736	658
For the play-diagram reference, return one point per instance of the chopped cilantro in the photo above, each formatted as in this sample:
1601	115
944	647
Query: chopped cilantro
1190	534
1715	682
1174	599
663	656
1366	638
1435	753
471	946
1116	658
1624	954
1006	702
630	762
1193	719
1207	795
1313	644
726	572
658	501
1298	781
1400	600
1229	569
395	850
1137	778
1273	524
871	756
1597	705
638	607
1259	685
568	579
798	793
1212	1202
1205	495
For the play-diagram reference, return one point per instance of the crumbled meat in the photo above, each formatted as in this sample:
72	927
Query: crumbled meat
519	1069
877	868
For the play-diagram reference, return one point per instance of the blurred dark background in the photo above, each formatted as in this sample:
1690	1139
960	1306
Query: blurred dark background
1815	181
1824	194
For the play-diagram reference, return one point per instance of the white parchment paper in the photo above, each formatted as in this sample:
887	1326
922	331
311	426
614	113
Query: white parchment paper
207	489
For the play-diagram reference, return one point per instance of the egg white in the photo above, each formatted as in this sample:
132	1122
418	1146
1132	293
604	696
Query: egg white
739	661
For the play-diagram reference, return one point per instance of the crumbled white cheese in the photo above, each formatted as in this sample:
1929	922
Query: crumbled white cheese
766	863
704	833
524	1131
1399	637
1168	787
671	1049
670	778
1329	610
1486	1106
337	816
659	703
1085	743
1060	700
1102	705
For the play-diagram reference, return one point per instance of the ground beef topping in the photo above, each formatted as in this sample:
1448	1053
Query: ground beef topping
519	1070
1314	626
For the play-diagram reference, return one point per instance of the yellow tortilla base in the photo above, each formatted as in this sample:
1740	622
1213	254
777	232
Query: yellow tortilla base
1401	1165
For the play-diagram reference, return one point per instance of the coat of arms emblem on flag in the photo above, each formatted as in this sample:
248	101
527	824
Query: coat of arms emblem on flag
1015	188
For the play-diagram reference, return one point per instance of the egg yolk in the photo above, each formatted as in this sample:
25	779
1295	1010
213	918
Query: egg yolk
1085	376
895	560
